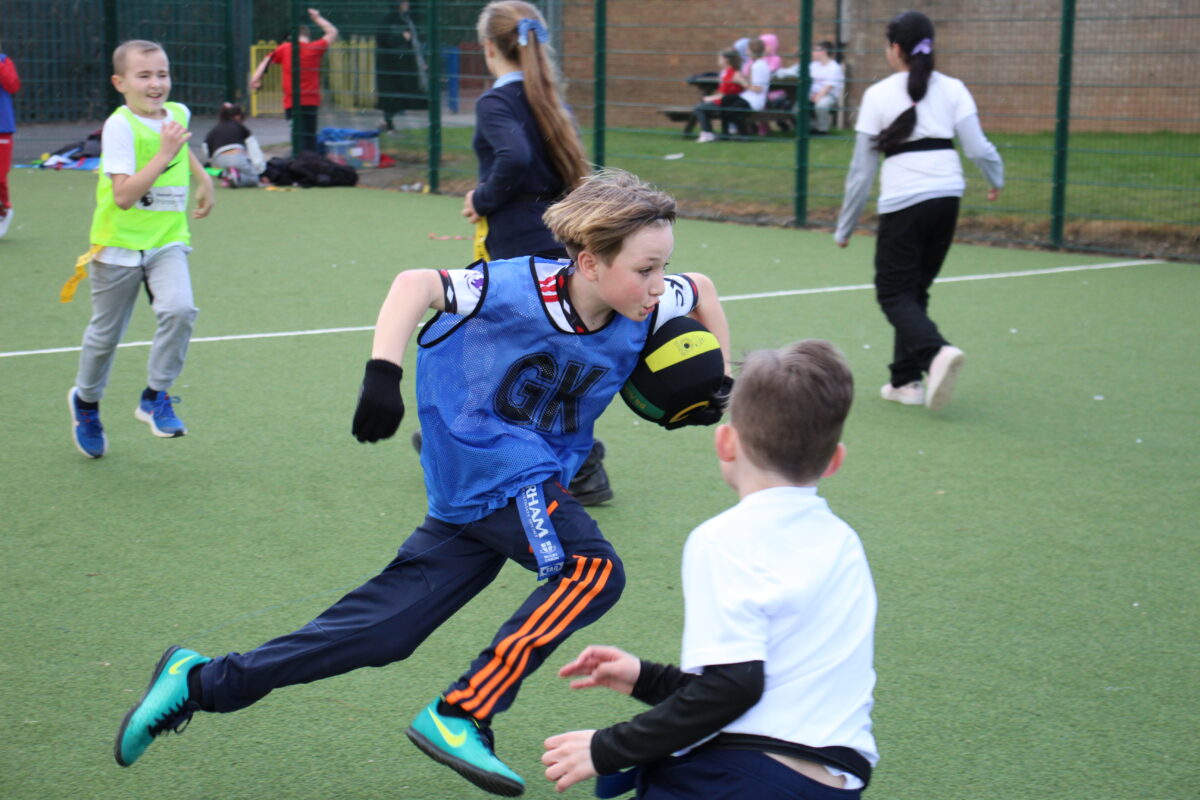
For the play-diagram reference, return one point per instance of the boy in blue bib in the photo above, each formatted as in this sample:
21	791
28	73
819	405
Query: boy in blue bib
520	359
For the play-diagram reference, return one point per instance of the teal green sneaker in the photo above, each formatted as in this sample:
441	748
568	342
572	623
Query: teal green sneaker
164	706
466	747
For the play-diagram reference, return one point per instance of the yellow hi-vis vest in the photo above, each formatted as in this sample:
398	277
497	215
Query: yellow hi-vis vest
160	216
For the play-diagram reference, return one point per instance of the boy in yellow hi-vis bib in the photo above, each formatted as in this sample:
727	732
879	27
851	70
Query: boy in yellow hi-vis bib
139	237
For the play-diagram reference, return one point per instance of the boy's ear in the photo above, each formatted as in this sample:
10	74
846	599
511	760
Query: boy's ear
587	263
726	442
835	463
116	82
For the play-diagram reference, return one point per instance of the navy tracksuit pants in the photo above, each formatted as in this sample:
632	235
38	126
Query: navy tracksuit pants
438	569
716	774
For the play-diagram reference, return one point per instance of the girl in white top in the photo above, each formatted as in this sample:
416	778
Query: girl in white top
909	119
735	111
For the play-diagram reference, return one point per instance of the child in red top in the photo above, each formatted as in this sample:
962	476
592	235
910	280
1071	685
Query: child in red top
731	84
311	55
10	83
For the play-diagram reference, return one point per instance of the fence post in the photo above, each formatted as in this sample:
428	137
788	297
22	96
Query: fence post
112	96
231	78
452	71
298	9
599	88
803	113
434	65
1066	52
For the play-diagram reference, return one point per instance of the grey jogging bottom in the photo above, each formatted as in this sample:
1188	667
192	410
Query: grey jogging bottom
115	289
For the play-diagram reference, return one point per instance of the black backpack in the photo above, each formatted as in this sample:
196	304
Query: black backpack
308	170
277	171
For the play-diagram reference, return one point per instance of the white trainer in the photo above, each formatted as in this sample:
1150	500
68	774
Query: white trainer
5	221
706	136
943	374
910	394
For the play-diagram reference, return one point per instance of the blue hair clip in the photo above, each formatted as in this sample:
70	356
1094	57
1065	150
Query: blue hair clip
924	46
529	24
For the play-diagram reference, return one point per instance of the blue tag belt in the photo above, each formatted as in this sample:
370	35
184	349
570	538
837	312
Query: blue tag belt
539	530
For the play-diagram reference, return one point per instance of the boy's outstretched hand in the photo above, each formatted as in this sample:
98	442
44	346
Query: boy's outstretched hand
606	666
568	758
172	138
380	407
204	200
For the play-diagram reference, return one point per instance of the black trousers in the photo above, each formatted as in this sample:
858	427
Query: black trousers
909	251
305	125
735	113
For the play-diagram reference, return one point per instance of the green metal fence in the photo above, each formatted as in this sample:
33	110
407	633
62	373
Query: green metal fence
1094	104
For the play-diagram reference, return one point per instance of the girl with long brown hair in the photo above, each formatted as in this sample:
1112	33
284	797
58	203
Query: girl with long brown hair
528	146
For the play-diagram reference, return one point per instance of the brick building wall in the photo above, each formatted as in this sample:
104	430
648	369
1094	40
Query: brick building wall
1136	67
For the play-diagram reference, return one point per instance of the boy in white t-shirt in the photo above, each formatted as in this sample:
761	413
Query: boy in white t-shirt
827	79
774	696
140	238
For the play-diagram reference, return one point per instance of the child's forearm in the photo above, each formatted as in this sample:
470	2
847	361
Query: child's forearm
327	27
128	189
413	292
261	70
199	174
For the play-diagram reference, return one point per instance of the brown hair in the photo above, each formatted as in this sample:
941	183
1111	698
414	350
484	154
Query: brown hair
133	45
605	209
231	111
789	406
498	23
757	49
908	29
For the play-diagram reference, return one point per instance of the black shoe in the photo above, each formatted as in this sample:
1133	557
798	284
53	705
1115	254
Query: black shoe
590	484
416	440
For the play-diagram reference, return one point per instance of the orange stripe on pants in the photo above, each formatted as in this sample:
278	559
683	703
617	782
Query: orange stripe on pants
483	713
520	650
479	677
512	655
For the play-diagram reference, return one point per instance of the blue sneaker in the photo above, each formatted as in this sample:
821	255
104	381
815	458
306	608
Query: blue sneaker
164	706
159	414
86	430
466	747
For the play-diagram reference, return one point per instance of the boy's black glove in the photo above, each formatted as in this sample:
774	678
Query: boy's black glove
380	407
710	414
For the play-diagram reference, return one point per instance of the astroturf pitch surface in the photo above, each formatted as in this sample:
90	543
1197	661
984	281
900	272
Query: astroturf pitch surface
1034	545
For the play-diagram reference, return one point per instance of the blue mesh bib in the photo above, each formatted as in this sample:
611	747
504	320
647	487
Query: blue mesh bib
506	399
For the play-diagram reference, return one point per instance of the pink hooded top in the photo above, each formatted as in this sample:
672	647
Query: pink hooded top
771	43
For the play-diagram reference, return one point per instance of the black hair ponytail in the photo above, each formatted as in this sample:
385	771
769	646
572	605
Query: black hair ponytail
913	31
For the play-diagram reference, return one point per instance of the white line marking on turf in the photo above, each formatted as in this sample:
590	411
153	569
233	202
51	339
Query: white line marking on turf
726	299
954	279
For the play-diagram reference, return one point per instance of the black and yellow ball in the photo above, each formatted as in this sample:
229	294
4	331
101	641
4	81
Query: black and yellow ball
679	369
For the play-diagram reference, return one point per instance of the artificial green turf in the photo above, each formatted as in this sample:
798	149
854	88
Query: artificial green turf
1034	545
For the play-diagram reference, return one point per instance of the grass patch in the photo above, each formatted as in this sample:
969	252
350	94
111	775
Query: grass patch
1134	193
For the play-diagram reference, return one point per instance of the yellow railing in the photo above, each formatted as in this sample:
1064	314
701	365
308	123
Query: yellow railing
347	79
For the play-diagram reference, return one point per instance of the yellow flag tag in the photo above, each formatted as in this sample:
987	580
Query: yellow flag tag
481	232
68	290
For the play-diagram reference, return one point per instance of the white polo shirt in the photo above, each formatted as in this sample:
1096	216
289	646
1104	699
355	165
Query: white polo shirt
760	75
829	74
931	173
780	579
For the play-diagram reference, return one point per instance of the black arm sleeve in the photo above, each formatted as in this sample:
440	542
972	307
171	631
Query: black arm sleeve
699	706
656	682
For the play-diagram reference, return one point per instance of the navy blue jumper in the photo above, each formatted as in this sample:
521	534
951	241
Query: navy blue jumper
517	181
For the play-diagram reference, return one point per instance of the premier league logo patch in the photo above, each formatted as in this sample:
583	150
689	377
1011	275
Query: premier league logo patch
475	282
